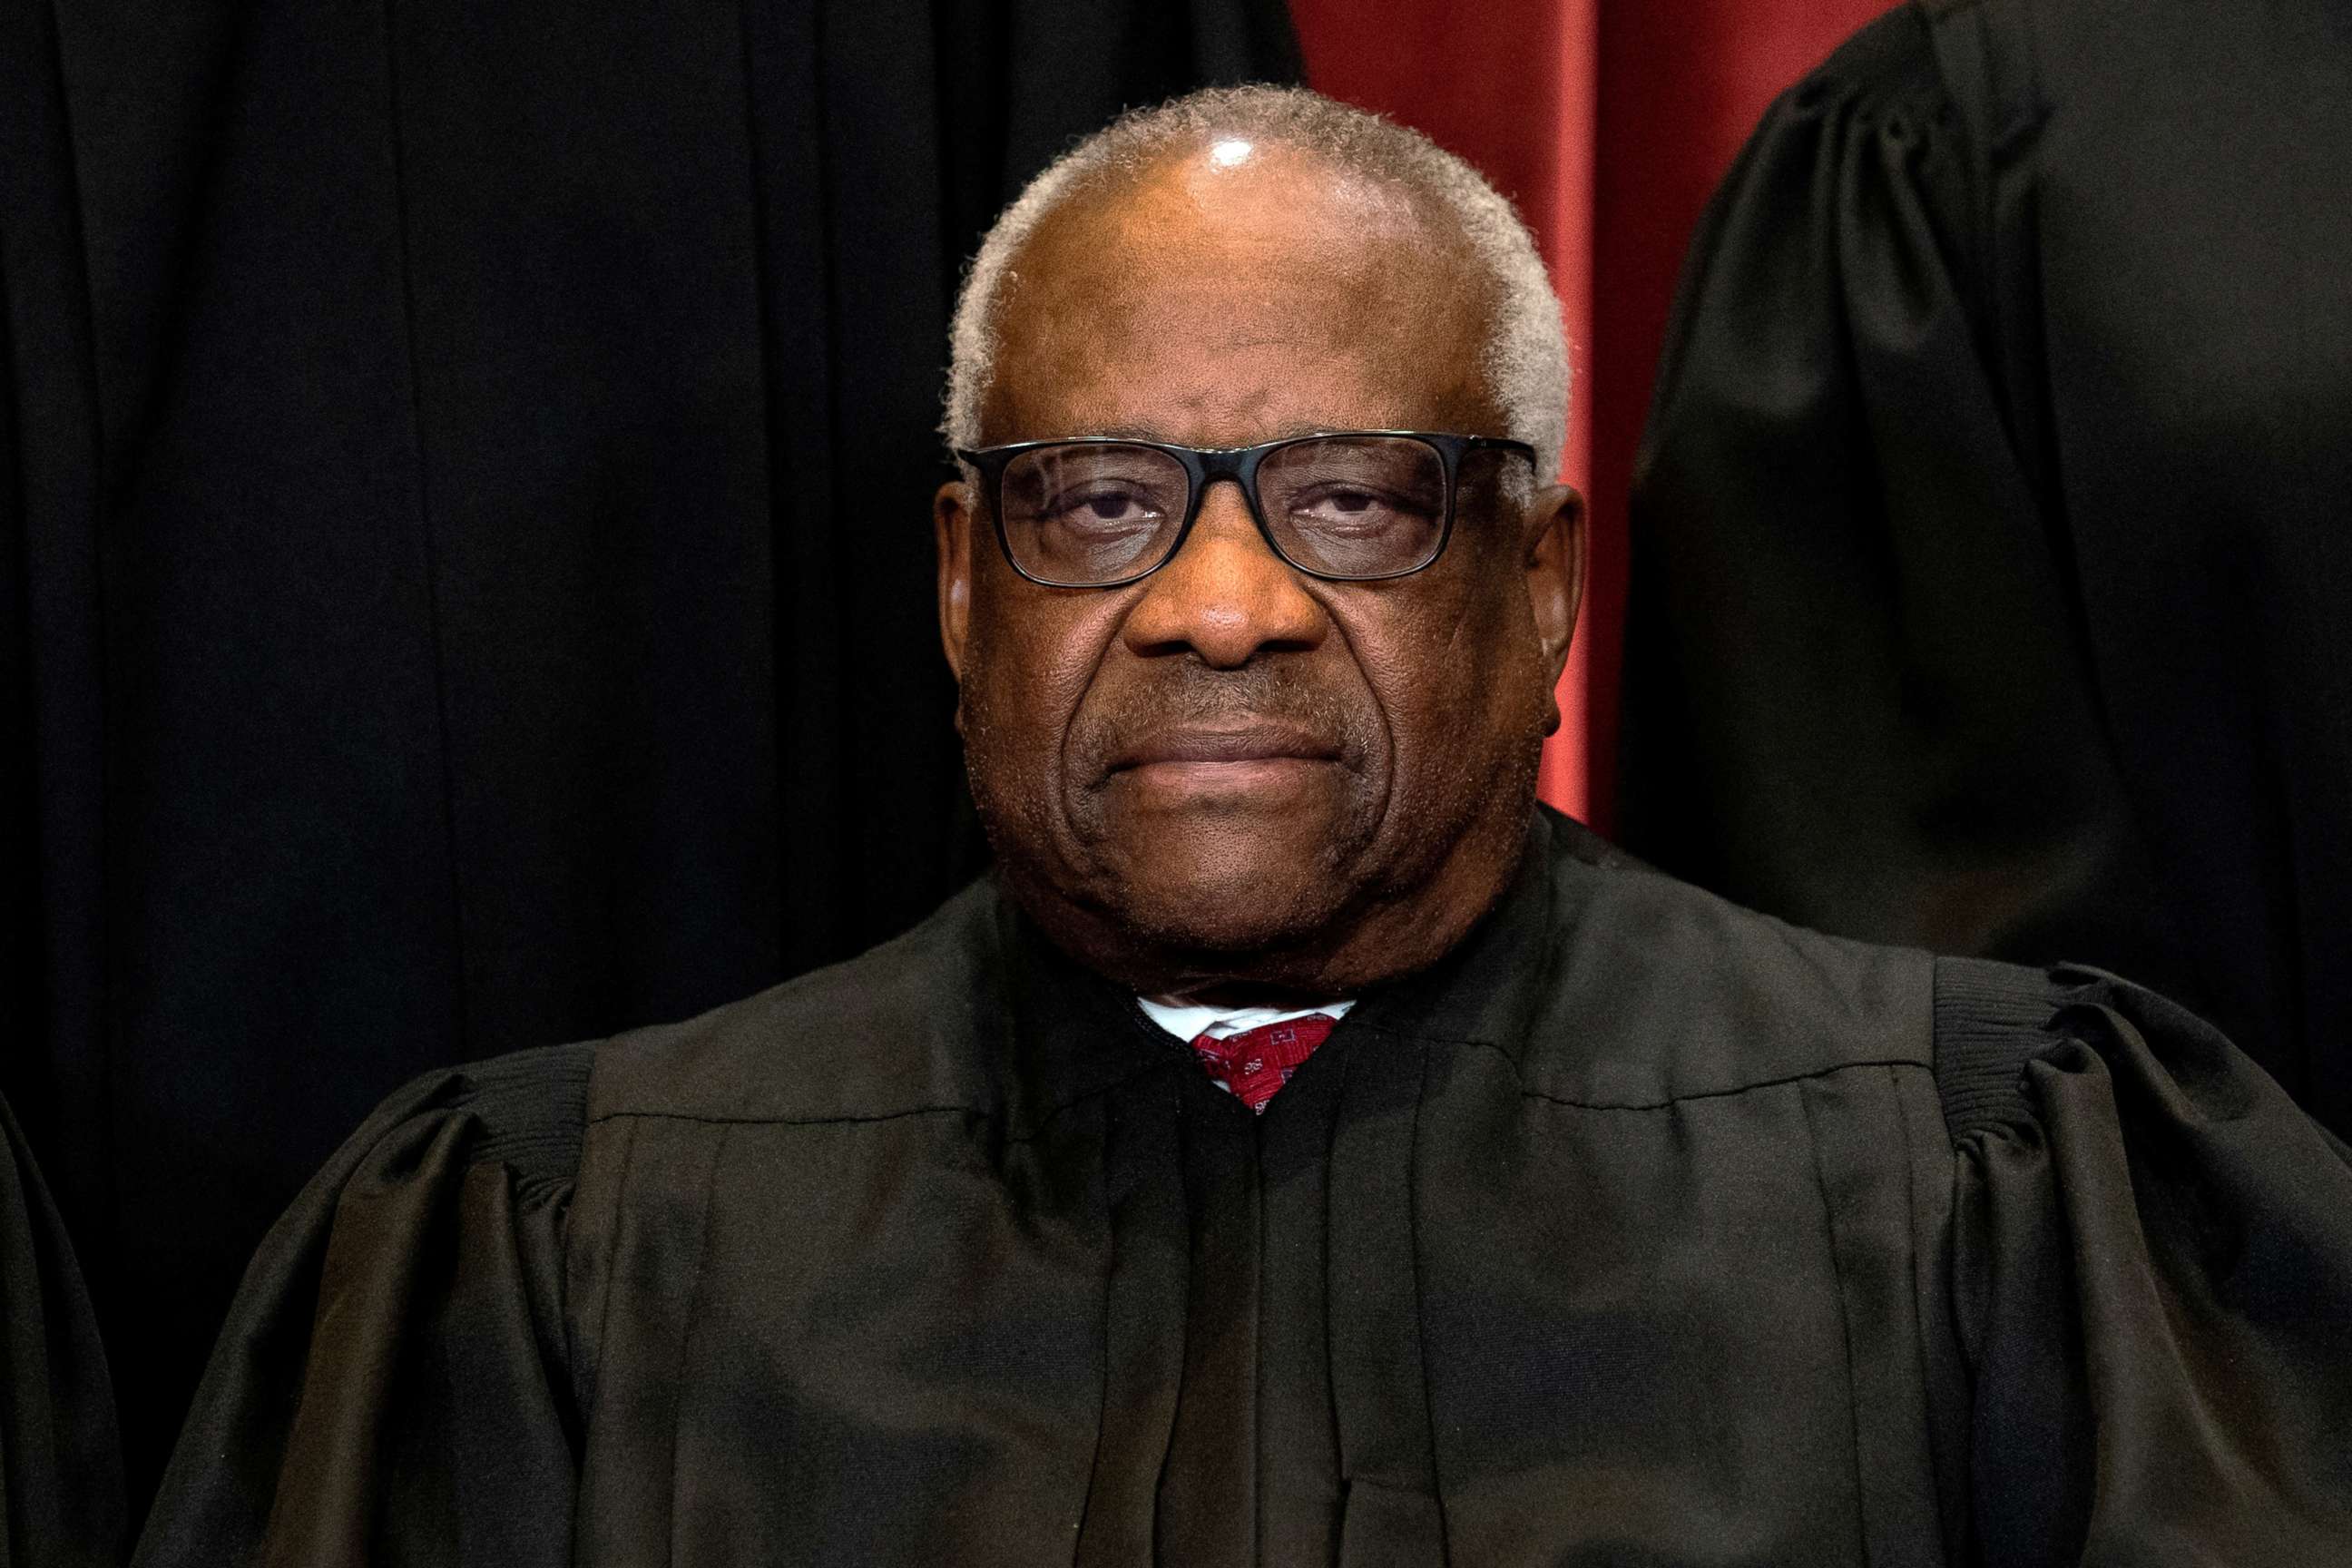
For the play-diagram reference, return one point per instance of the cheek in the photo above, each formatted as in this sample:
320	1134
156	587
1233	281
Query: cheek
1027	668
1463	689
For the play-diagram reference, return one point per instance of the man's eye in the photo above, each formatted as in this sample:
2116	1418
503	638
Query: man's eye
1352	508
1090	508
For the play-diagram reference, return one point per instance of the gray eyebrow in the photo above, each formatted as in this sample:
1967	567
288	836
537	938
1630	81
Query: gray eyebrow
1144	433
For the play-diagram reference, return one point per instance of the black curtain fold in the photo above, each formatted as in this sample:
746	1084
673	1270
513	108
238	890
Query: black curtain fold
464	493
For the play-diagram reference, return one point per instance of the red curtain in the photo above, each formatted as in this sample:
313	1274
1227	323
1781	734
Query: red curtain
1608	121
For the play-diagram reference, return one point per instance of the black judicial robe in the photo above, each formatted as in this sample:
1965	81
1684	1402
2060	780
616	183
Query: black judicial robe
1991	580
1643	1230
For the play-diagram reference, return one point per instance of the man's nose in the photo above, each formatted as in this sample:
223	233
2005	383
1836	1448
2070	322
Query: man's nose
1226	596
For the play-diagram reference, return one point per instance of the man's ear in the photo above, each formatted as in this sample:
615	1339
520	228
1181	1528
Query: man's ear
951	530
1555	561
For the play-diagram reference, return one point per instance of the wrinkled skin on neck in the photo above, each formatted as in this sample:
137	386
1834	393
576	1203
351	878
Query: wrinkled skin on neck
1391	728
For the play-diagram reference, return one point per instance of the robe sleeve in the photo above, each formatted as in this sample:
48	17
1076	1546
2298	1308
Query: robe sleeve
2152	1279
392	1384
1853	696
61	1497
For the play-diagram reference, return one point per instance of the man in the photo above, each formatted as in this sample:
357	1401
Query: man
1611	1224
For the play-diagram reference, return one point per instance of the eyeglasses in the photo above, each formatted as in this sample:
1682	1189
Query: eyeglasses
1099	511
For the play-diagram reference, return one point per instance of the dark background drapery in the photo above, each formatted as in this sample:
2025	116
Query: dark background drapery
464	486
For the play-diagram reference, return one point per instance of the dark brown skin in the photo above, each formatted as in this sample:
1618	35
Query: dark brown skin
1371	747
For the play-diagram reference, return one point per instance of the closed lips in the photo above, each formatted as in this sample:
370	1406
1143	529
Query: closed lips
1256	743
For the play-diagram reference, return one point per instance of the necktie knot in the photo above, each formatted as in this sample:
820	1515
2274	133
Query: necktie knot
1255	1062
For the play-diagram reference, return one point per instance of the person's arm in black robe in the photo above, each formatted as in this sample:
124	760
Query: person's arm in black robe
392	1384
1853	696
2152	1275
61	1499
1988	557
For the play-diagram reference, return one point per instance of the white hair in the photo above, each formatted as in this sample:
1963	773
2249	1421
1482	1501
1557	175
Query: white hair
1525	359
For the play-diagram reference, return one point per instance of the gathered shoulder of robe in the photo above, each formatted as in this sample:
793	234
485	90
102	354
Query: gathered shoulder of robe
1641	1230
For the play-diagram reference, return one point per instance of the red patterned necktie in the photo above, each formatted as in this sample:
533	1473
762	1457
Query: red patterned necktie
1256	1062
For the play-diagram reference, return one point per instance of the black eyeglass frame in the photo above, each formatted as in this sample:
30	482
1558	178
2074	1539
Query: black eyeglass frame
1205	466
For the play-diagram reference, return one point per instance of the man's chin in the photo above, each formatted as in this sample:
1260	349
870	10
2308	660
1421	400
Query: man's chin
1228	885
1267	906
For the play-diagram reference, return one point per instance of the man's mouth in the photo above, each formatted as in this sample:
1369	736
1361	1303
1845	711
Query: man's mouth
1193	766
1248	743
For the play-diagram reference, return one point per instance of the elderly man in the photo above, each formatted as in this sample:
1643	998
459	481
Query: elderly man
1609	1224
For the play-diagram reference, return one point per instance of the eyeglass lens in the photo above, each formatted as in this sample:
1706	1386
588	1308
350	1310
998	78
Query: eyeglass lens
1344	506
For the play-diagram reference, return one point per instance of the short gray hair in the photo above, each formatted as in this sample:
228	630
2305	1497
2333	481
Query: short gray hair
1526	355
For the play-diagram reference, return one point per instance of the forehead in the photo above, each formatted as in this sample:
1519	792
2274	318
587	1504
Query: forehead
1221	302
